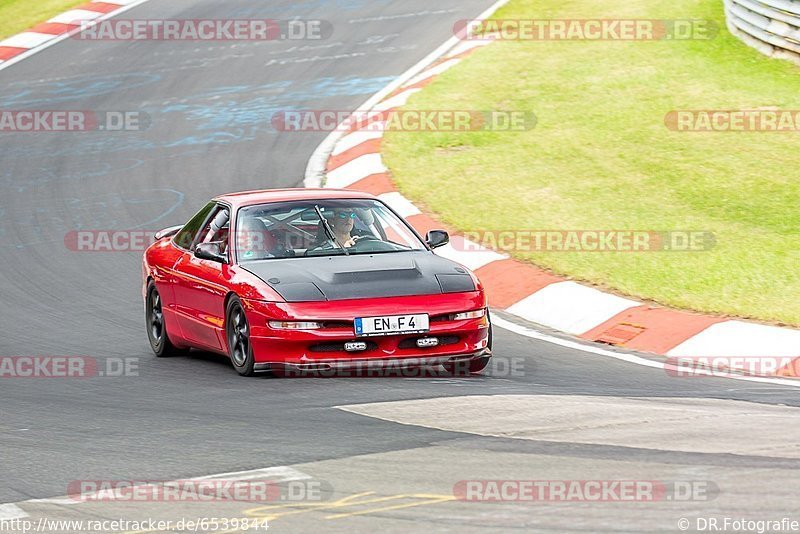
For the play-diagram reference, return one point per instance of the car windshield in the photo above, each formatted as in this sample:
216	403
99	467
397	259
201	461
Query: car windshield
320	228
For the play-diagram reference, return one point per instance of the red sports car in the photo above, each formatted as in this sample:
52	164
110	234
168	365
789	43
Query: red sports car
312	280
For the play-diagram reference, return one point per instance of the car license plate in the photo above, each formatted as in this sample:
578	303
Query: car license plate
392	324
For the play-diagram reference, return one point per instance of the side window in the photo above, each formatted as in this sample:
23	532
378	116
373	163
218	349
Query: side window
185	237
216	228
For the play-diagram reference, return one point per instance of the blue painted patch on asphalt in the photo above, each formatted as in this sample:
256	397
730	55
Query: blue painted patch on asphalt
218	116
22	94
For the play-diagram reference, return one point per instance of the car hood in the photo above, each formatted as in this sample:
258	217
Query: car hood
359	276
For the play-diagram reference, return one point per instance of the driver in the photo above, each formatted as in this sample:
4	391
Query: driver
342	224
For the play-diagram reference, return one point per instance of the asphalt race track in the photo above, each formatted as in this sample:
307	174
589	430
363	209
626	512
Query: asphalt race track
194	416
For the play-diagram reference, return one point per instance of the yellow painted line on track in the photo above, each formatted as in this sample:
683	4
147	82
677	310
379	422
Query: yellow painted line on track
272	512
428	501
276	511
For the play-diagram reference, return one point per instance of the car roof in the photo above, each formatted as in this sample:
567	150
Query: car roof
264	196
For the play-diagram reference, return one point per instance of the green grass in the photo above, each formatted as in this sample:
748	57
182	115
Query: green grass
19	15
601	157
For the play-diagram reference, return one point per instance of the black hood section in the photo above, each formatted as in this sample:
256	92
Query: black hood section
360	276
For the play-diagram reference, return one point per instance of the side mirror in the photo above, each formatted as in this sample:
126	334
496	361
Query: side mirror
437	238
210	251
167	232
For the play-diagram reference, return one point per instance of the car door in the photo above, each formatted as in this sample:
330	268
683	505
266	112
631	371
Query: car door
181	242
200	288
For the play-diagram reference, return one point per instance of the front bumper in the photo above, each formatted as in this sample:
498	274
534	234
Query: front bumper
325	347
371	366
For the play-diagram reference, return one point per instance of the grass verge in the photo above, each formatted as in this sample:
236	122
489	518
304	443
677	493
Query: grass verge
18	15
601	157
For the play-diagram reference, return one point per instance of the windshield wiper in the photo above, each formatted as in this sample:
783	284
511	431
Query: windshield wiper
328	231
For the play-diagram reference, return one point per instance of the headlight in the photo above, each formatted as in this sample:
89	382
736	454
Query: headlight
477	314
295	325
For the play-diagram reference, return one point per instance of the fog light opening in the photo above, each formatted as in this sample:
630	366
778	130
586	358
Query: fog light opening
427	342
355	346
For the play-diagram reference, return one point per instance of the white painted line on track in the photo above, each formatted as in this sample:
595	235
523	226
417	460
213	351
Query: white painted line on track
60	501
281	473
630	358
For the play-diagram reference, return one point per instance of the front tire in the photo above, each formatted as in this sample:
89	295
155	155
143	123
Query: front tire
157	326
467	368
237	332
474	366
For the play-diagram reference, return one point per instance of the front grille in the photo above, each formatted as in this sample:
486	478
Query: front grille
339	347
411	342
